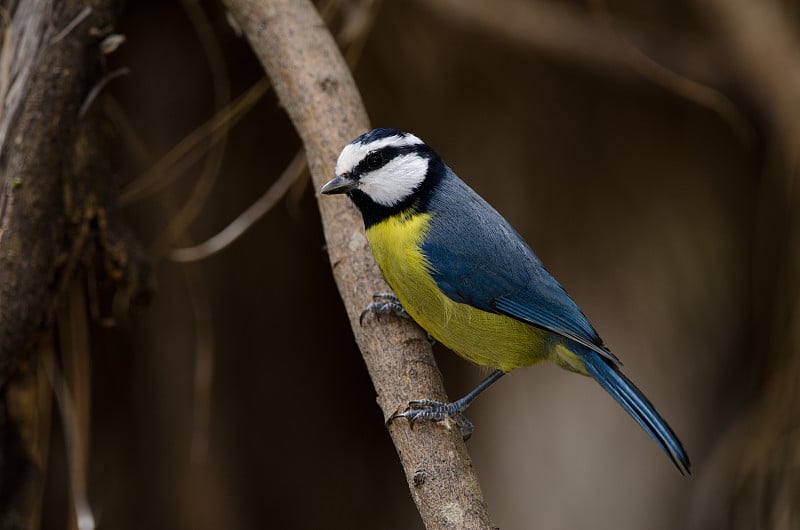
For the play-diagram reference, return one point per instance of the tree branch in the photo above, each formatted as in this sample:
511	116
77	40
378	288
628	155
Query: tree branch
572	35
320	96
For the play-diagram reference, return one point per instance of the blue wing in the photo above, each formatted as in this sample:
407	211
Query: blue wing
493	269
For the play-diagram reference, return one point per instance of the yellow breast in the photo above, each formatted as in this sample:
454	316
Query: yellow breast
484	338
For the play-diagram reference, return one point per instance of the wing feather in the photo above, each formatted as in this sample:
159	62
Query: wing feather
477	258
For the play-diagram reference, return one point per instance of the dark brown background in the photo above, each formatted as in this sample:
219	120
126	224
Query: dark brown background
646	206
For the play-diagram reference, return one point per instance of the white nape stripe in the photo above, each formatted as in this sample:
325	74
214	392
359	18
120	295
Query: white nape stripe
352	154
396	180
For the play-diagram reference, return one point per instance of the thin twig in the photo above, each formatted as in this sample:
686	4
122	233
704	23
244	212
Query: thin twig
72	389
5	65
188	150
99	86
352	38
203	381
213	163
72	25
131	139
564	31
247	218
701	94
204	347
73	442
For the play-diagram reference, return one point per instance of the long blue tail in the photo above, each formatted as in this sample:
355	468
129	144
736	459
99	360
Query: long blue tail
634	402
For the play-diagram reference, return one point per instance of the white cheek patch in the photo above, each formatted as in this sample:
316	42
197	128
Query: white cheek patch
396	180
352	154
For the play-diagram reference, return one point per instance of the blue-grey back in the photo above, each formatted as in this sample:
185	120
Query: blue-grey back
479	259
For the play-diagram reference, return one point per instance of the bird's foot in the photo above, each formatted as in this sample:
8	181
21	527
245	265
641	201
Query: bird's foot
428	410
388	304
384	304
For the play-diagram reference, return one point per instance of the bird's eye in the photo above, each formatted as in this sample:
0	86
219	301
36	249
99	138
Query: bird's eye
374	160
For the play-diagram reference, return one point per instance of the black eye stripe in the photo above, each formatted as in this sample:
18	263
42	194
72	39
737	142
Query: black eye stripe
380	157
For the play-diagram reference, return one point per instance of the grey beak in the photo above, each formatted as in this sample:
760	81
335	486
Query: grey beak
341	184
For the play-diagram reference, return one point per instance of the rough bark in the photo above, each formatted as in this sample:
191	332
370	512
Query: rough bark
319	94
48	68
56	193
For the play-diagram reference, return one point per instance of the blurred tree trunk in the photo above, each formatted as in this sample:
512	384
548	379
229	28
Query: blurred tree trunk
56	216
765	46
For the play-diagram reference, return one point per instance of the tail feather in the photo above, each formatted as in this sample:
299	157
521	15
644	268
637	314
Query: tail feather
636	404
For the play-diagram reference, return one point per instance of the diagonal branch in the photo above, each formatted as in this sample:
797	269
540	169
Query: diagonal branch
318	92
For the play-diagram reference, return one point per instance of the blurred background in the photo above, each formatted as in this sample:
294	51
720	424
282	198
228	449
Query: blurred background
237	398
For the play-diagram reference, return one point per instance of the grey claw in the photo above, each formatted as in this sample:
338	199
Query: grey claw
385	303
429	410
385	296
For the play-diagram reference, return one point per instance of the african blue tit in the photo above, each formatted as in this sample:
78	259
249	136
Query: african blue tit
460	270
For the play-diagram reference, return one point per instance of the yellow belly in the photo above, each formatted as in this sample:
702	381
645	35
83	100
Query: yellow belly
484	338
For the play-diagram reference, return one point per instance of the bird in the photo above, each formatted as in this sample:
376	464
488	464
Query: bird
461	272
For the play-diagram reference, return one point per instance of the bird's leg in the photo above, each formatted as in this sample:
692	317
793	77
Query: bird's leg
426	409
384	304
387	303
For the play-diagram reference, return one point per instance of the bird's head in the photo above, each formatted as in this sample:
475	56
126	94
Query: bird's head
383	170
